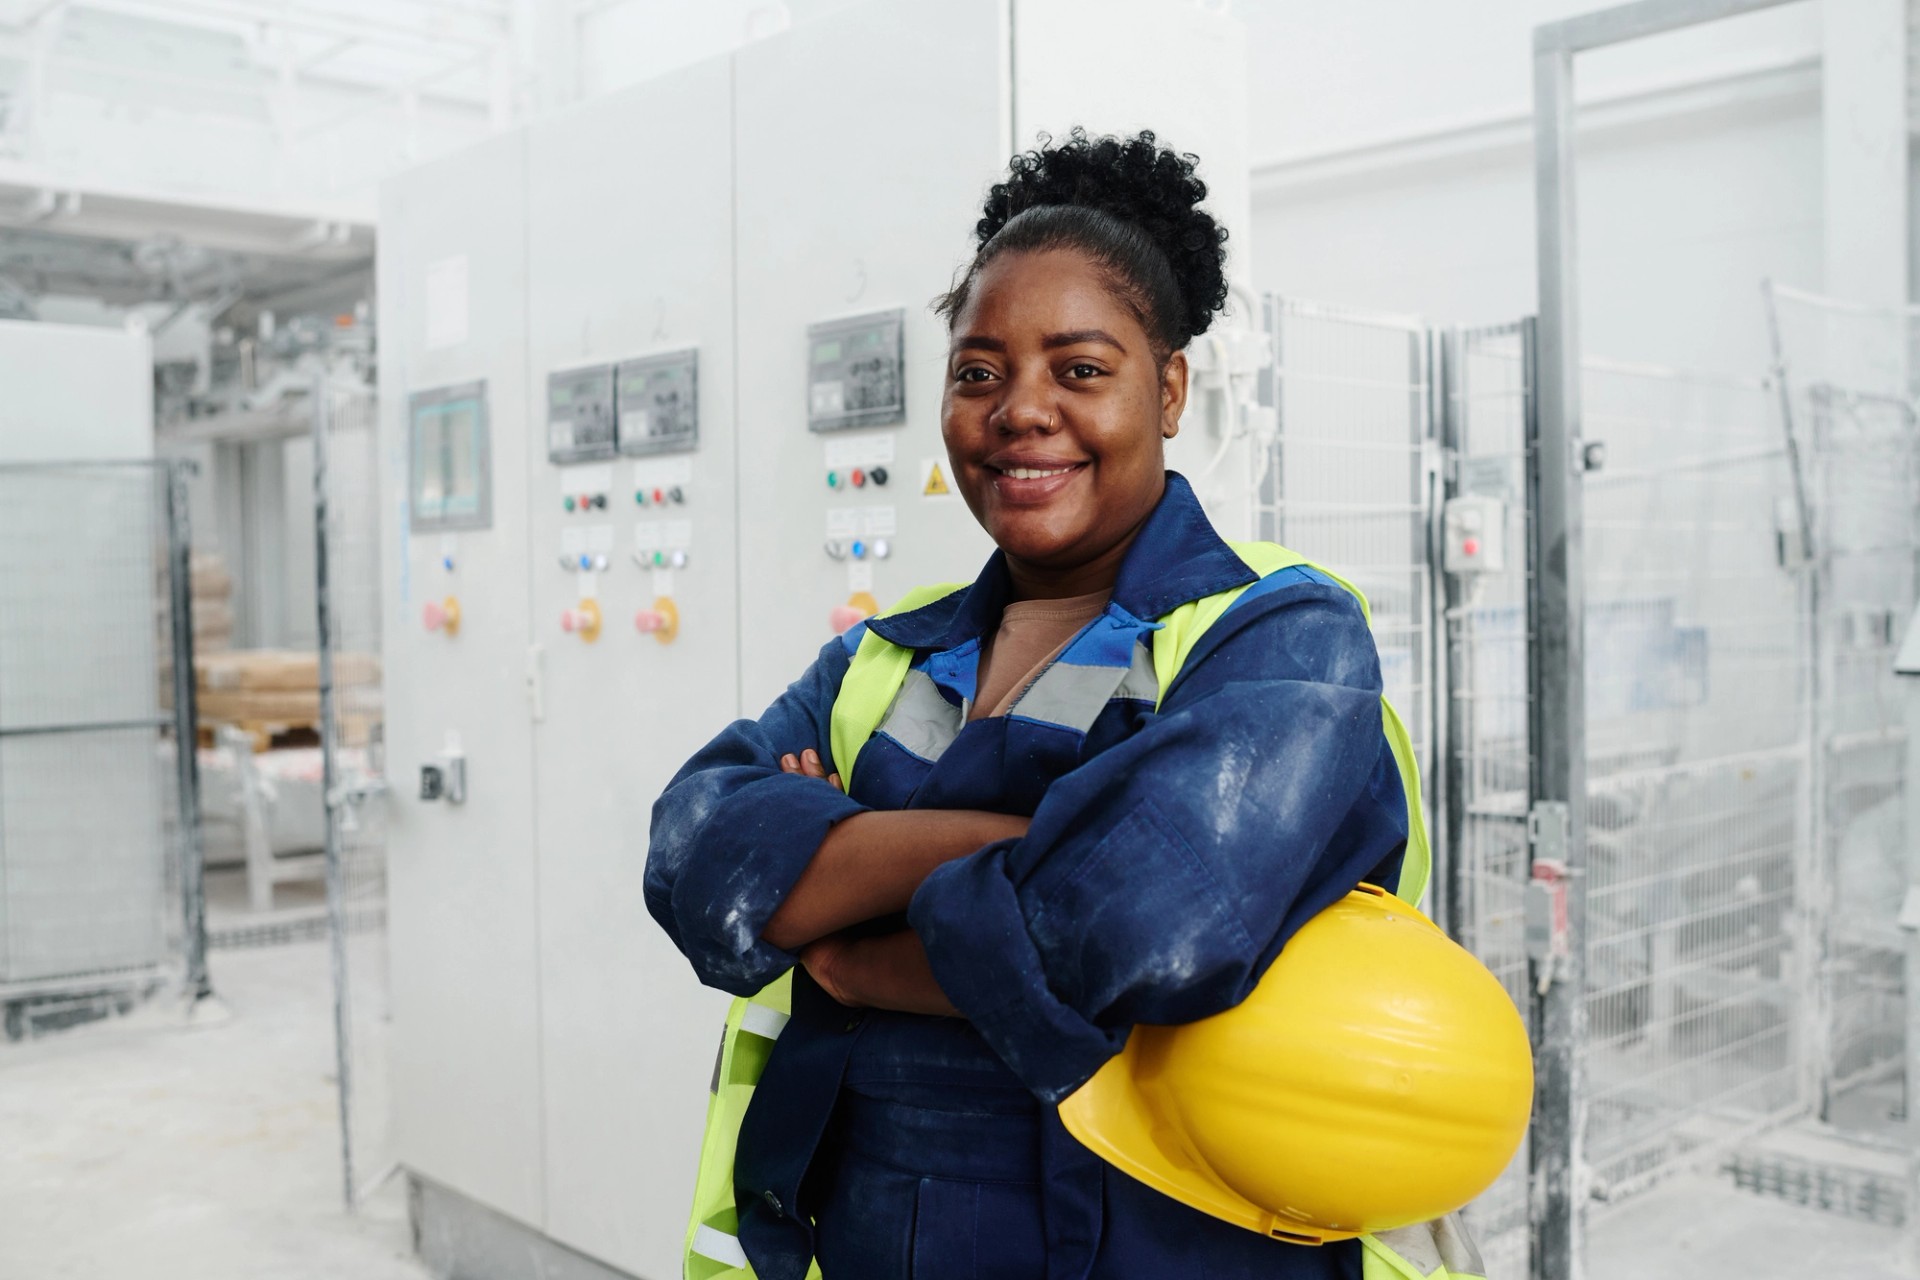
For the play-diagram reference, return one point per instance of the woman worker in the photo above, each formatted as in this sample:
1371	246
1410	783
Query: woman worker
1040	846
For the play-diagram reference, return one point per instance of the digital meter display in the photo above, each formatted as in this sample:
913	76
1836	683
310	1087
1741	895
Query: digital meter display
659	402
856	375
448	459
580	422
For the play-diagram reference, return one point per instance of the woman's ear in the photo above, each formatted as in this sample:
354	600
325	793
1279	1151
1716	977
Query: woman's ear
1173	394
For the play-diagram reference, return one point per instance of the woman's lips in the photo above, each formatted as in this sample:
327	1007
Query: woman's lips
1034	485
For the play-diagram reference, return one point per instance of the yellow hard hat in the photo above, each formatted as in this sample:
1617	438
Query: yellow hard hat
1376	1077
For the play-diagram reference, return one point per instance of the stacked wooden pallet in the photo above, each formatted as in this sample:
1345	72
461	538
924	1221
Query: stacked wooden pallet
274	694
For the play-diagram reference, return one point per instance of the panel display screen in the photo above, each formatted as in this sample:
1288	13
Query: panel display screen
450	480
659	402
856	372
580	423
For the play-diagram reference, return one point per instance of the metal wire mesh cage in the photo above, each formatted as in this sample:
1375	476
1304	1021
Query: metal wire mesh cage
1487	376
96	813
1697	772
346	505
1849	391
1345	480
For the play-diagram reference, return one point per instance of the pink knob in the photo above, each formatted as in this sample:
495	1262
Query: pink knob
572	620
845	617
649	621
434	615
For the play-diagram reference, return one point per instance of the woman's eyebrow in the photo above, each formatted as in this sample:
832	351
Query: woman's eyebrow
981	342
1078	336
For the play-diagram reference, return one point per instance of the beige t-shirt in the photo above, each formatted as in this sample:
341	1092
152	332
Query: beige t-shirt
1032	633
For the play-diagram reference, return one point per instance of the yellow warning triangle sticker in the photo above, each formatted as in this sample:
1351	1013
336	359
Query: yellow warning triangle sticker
936	484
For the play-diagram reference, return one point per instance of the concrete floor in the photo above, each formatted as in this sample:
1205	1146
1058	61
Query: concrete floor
1700	1228
146	1150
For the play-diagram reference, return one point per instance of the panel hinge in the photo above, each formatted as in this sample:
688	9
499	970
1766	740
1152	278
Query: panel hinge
1548	940
536	687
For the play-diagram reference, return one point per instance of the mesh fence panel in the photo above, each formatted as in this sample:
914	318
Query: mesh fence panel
1345	482
90	831
1487	411
347	493
1697	773
1850	395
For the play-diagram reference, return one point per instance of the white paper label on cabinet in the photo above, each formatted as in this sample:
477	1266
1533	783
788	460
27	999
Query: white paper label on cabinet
573	539
846	452
599	538
588	587
881	522
859	575
843	522
827	398
663	582
579	480
663	473
447	298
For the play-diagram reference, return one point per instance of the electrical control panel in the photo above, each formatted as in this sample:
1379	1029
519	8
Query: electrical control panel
580	414
449	461
659	402
856	372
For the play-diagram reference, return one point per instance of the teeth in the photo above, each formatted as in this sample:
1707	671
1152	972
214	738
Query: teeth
1034	473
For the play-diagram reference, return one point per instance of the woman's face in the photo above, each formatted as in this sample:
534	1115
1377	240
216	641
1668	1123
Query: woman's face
1056	412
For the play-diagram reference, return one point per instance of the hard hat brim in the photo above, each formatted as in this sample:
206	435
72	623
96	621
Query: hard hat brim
1111	1116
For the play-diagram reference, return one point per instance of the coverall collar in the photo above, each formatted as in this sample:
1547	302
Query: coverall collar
1177	558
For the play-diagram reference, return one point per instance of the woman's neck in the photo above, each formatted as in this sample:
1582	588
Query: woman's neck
1062	582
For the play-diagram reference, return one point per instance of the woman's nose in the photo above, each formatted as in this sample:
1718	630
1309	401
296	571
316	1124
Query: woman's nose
1020	414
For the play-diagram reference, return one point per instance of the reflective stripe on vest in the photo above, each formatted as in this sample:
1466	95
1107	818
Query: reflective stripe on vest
1437	1250
884	691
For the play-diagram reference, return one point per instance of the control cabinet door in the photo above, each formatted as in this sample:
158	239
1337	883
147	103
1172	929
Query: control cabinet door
866	140
634	607
465	1048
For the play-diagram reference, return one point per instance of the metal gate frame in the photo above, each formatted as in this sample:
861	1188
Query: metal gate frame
1556	599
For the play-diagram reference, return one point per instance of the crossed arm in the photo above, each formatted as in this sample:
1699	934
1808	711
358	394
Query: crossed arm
869	866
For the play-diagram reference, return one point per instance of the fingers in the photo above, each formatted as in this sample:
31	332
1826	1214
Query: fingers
834	778
808	764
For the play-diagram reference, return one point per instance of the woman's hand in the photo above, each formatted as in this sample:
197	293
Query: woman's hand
871	863
826	961
887	972
808	763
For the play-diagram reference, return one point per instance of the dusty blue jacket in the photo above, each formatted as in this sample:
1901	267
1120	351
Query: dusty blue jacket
1171	854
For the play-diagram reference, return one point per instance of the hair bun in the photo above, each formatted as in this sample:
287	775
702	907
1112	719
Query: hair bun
1137	181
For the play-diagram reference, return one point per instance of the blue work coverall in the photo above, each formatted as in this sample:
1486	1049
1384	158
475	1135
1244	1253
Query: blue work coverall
1171	854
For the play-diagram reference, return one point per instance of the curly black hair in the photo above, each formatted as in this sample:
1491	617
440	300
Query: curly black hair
1130	204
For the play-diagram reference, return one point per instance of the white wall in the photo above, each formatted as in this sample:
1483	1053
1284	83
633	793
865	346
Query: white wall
74	393
628	41
1331	76
1397	171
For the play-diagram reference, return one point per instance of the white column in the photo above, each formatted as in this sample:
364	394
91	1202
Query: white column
1864	100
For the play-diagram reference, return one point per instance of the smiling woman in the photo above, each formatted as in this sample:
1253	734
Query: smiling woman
991	831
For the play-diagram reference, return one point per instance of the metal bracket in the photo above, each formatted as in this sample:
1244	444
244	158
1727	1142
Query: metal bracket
1909	918
536	683
1548	941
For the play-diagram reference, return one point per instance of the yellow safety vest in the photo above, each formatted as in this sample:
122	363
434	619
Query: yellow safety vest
1439	1250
